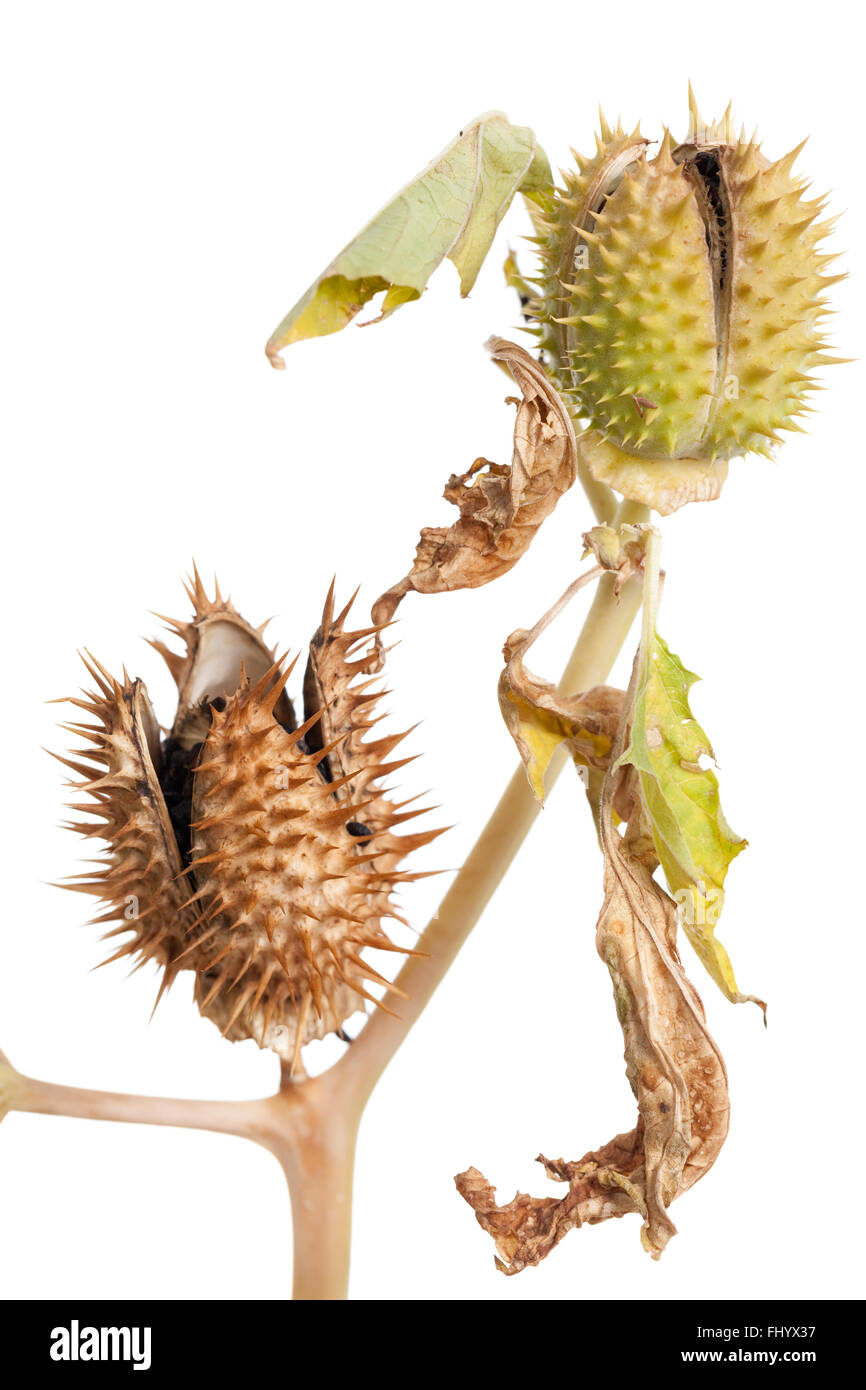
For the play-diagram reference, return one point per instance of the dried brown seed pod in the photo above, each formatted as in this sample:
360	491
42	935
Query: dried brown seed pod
255	852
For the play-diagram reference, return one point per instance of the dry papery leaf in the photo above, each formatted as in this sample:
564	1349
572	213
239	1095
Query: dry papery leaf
537	715
501	506
673	1066
619	549
540	718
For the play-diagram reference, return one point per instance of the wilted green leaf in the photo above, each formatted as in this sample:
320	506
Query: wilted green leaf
694	842
539	719
450	210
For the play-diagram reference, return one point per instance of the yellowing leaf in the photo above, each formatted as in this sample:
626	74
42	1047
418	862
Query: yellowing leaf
515	281
680	794
540	718
452	209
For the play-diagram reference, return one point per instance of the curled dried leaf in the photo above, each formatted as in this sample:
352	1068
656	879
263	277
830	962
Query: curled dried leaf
526	1229
673	1066
540	718
619	549
501	506
451	209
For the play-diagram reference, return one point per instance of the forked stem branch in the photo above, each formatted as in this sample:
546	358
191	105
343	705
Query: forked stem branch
311	1125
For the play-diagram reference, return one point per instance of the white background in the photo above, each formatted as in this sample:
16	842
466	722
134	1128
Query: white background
174	176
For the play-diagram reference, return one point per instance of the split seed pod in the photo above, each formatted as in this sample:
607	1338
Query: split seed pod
255	852
680	305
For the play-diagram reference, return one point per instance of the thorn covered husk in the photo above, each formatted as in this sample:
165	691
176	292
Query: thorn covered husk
681	305
254	851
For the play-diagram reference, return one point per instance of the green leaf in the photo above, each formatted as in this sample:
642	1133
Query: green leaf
452	209
693	841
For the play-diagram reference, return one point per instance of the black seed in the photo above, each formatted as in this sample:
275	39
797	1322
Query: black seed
175	780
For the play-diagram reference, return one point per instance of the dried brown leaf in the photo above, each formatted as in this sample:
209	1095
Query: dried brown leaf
526	1229
673	1066
501	506
618	549
539	717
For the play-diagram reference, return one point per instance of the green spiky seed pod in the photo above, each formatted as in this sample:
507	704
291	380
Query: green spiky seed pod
679	305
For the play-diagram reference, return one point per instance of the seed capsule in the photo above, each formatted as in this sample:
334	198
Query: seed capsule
256	853
680	306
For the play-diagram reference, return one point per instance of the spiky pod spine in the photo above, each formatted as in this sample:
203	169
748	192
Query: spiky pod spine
140	874
680	305
342	669
559	219
641	337
282	886
774	340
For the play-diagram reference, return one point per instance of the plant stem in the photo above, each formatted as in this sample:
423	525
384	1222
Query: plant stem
319	1164
310	1130
599	495
316	1148
604	632
249	1119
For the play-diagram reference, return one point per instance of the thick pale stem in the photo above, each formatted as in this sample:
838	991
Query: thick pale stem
250	1119
599	495
604	632
317	1153
310	1130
